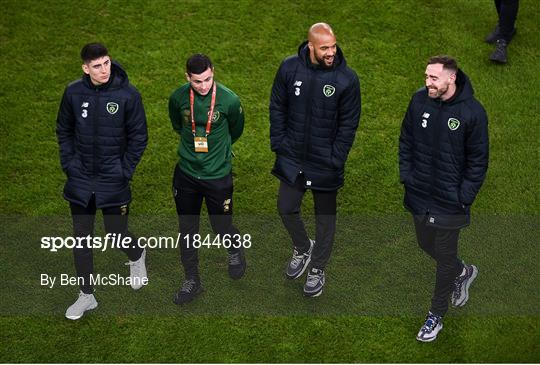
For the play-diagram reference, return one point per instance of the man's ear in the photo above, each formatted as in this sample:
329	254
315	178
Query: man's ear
85	68
187	76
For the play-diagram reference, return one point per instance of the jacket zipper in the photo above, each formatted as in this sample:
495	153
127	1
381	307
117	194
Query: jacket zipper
95	121
307	120
435	148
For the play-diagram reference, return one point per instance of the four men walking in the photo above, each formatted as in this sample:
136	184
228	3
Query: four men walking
315	109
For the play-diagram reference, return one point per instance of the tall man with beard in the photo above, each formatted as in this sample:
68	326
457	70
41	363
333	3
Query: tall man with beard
443	159
314	114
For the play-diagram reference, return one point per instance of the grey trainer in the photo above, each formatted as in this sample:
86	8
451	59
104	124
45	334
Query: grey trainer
137	272
299	262
314	283
460	295
84	303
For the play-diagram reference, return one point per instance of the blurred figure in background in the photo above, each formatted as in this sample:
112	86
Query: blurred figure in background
505	30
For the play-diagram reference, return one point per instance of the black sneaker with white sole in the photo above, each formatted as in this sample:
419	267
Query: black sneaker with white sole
314	283
460	295
189	290
428	332
237	264
299	262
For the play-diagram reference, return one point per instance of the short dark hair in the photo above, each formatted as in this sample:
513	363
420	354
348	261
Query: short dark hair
93	51
198	63
448	62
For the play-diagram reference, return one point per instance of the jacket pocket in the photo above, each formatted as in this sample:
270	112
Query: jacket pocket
73	166
284	146
118	171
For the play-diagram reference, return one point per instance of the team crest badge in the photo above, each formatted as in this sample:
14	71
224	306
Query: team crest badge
112	108
453	124
215	117
328	90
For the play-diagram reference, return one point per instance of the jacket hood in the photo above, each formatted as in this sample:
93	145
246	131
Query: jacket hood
118	79
464	87
303	53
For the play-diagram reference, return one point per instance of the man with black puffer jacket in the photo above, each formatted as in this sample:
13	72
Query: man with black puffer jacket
101	130
314	114
443	159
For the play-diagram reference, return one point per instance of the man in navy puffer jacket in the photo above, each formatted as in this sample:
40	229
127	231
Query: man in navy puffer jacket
101	130
443	159
314	114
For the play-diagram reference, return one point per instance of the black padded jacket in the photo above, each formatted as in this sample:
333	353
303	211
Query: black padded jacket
314	114
102	135
443	154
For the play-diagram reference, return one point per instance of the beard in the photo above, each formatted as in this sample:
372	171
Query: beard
437	92
322	62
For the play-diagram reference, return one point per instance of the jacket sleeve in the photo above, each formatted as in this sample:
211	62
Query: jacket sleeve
236	119
348	119
279	110
136	135
65	131
175	114
476	158
406	146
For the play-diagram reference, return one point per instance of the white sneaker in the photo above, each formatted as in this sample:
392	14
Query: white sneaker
428	332
84	303
137	272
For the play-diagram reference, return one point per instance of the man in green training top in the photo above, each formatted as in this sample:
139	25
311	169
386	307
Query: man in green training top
209	119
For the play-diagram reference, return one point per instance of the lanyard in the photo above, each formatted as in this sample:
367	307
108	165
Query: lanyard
210	115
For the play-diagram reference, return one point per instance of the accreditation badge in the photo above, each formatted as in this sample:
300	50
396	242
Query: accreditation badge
201	144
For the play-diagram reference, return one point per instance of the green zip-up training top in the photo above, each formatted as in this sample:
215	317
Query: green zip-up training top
227	127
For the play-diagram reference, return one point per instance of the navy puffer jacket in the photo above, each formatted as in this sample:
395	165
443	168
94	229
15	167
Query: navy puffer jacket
102	135
443	154
314	114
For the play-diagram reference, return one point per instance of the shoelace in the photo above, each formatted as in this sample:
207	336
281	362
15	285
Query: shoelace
83	298
296	259
431	323
133	263
313	278
501	44
188	286
458	283
234	259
